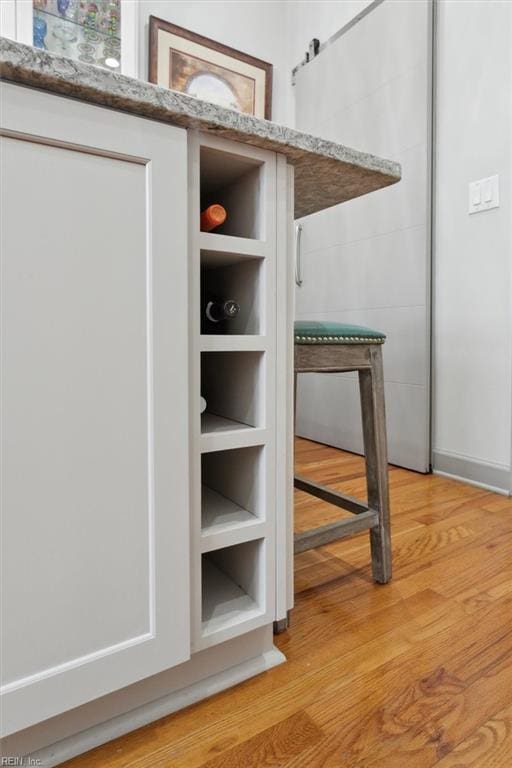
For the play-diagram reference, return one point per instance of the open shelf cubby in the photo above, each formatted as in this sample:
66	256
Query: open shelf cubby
231	494
231	386
235	182
225	277
232	586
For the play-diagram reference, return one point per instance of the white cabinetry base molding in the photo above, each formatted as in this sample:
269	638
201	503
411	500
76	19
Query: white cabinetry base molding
494	477
101	733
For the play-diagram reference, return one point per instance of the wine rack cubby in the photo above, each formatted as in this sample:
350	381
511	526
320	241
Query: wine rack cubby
231	383
235	182
232	587
233	367
240	279
232	498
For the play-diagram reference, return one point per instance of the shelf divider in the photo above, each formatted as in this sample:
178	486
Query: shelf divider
210	422
225	523
234	246
232	343
220	513
244	437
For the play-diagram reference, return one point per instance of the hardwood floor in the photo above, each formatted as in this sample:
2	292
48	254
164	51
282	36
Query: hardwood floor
413	674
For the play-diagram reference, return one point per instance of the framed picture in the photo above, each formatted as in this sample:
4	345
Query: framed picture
193	64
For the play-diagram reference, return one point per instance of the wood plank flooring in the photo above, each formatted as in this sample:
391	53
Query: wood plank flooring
414	674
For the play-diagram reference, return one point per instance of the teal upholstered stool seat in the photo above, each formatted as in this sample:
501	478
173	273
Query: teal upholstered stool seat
316	332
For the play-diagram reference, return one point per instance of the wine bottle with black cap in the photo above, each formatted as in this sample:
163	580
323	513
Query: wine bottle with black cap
217	310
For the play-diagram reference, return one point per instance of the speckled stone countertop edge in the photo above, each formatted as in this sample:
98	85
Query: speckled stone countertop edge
309	154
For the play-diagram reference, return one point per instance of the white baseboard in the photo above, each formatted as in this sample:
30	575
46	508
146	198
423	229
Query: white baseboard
492	477
118	726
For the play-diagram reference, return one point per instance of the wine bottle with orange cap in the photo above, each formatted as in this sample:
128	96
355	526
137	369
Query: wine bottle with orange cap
212	217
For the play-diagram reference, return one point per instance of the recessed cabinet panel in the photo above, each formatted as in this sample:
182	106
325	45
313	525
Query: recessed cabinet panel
95	429
76	416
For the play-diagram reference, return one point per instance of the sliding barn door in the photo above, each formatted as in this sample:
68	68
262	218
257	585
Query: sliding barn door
368	261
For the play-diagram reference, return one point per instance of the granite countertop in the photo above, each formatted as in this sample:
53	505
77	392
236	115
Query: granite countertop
326	173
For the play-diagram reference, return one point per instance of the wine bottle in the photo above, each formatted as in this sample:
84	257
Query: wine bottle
225	309
212	217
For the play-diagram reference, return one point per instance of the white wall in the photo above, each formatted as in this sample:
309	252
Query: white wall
251	26
472	318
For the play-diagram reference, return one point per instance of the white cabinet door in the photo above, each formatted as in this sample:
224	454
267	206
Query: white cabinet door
94	402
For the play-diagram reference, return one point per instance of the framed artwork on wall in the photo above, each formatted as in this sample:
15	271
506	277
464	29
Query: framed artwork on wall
185	61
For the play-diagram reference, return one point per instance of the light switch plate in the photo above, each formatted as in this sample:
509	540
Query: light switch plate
484	194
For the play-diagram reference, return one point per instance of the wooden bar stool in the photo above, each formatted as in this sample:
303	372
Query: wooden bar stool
334	348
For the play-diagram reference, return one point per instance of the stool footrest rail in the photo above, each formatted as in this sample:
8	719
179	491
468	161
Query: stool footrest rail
349	503
317	537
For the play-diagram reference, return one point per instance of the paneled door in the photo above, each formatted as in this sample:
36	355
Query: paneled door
368	261
94	402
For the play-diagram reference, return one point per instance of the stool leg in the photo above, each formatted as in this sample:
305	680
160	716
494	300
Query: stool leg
371	385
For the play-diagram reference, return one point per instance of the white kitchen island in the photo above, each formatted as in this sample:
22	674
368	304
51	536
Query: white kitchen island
147	548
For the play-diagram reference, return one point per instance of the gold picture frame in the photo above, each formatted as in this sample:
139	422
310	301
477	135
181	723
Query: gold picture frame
190	63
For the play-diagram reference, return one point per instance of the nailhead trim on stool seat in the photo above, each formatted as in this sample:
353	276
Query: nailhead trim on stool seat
316	332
